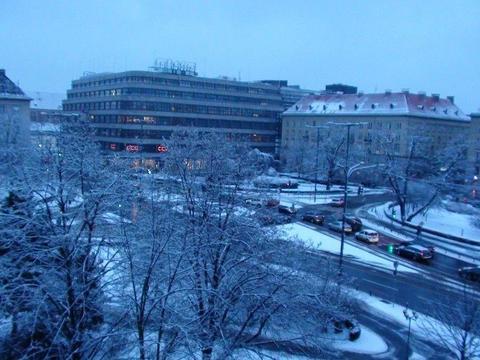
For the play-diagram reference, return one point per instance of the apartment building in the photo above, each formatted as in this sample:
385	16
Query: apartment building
14	112
396	115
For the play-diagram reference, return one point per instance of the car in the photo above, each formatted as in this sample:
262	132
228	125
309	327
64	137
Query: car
414	252
368	236
314	218
254	202
271	203
337	226
337	202
354	222
275	219
351	325
470	273
289	210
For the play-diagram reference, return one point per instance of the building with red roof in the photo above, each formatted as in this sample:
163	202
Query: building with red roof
397	115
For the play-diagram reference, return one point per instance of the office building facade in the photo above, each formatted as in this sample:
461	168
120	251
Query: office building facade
133	112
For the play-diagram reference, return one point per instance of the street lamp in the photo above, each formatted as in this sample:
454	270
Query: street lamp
316	158
348	172
409	315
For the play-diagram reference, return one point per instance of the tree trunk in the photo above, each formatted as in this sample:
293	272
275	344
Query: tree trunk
207	353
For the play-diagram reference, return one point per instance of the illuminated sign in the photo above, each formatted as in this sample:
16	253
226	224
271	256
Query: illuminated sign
162	148
132	148
113	146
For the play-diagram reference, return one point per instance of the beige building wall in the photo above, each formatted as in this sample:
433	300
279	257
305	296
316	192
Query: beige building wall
400	129
474	153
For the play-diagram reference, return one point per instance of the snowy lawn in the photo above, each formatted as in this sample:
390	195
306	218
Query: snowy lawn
328	243
395	312
441	219
369	342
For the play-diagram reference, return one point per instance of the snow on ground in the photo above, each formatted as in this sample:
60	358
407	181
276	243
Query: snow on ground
328	243
419	327
440	219
447	247
369	342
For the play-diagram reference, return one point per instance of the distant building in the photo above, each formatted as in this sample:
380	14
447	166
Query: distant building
401	115
340	88
474	154
134	111
14	113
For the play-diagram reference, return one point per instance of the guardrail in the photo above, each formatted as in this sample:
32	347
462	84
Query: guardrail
431	231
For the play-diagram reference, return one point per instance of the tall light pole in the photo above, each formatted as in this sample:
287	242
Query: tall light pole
348	172
316	158
409	315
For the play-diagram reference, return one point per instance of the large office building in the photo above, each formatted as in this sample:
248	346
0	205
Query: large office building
134	111
396	115
14	113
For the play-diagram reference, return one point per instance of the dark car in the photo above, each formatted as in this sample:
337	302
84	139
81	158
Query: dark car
337	226
314	218
275	219
289	210
414	252
470	273
351	325
271	202
354	222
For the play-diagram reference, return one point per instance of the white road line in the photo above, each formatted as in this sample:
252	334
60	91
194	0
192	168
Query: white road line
378	284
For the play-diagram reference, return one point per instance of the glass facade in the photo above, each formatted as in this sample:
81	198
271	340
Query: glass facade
134	111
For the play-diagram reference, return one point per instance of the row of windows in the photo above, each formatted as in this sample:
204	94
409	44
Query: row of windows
154	134
154	148
369	125
171	107
174	121
173	94
176	82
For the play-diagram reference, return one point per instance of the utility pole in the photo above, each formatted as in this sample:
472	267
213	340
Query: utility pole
316	166
409	315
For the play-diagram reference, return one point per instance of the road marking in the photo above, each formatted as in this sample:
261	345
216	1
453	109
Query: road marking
381	285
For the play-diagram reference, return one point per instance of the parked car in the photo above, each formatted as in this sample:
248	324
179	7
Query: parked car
271	202
414	252
314	218
289	210
275	219
254	202
337	226
351	325
337	202
354	222
368	236
470	273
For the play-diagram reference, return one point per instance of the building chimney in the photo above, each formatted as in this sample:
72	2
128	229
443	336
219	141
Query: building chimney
388	92
451	99
436	97
406	91
422	93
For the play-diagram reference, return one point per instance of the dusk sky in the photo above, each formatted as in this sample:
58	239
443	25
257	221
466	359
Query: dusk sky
431	46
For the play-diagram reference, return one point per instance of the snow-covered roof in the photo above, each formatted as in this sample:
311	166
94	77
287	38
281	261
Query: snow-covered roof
386	104
44	127
9	90
46	100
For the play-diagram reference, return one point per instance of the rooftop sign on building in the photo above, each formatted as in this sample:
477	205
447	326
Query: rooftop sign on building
175	67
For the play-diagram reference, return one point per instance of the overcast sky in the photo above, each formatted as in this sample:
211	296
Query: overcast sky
424	45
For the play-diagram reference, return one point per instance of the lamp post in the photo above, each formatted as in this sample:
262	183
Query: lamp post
348	172
409	315
316	158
